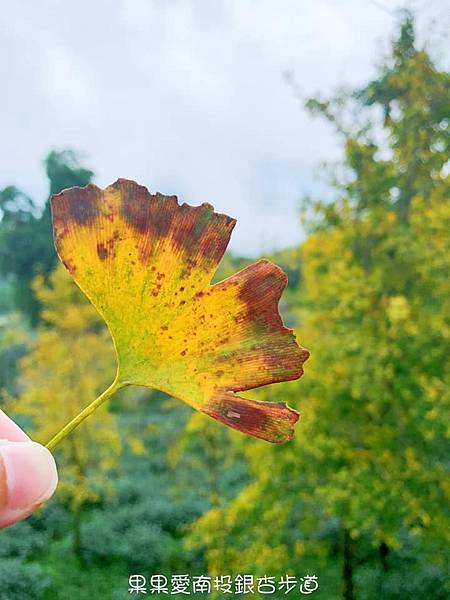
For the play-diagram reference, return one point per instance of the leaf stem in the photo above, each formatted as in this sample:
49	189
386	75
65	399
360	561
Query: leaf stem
113	388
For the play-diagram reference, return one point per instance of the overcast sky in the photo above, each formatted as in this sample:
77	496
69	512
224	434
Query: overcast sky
187	96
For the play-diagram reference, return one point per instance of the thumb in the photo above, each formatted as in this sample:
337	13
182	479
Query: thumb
27	477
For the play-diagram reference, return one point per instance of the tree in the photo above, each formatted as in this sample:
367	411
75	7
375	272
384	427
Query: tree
70	360
365	478
26	246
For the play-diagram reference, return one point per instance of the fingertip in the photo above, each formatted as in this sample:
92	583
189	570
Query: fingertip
28	477
10	430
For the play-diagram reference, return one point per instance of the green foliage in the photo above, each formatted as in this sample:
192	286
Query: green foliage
14	336
21	542
144	511
22	581
64	170
26	244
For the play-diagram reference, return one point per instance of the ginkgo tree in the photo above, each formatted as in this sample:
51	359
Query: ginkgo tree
70	359
146	263
367	476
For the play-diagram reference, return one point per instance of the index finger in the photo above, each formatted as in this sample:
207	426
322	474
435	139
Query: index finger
10	431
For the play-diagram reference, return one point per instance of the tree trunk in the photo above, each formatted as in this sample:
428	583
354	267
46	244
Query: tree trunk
383	551
347	565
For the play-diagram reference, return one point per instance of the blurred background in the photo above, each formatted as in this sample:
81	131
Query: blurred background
324	128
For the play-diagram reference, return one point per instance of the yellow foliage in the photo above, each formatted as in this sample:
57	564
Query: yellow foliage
70	361
136	445
397	308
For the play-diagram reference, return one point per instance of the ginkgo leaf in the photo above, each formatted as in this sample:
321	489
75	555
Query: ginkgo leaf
146	264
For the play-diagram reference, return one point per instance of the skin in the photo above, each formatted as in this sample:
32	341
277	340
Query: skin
28	474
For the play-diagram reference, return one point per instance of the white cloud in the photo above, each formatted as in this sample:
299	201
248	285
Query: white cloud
185	96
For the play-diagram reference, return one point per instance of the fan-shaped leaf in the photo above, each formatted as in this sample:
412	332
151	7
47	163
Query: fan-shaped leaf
146	263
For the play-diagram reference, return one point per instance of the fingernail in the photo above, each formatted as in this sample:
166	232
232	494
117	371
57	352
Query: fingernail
31	475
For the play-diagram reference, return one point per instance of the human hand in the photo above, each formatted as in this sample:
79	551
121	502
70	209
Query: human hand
28	473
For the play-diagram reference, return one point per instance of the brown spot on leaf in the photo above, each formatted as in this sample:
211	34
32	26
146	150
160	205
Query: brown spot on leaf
271	421
79	205
70	266
145	212
102	251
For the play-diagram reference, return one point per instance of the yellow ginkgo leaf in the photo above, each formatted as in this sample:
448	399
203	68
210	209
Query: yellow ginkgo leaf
146	264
